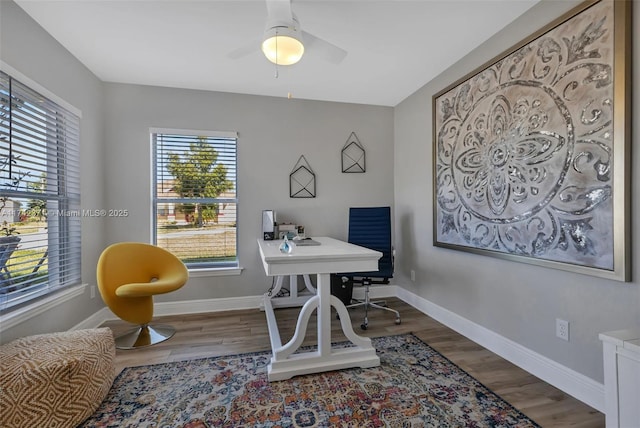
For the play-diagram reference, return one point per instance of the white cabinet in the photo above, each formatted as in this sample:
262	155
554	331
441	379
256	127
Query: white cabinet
622	377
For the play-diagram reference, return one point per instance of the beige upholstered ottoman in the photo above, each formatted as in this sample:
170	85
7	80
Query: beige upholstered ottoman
55	380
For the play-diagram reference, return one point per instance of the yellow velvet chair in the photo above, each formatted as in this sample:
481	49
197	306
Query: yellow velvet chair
129	275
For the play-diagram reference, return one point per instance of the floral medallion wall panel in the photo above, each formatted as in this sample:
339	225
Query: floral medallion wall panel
531	150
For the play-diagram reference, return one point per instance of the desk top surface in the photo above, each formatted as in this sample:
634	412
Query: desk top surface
328	256
628	339
328	248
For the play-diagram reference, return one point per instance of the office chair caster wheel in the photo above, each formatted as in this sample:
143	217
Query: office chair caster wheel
363	326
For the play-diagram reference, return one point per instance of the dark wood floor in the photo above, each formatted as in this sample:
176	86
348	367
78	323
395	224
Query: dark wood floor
233	332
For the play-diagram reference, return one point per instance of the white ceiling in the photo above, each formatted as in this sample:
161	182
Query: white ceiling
394	46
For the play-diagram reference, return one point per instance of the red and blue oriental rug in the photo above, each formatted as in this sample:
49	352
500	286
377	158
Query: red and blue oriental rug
414	386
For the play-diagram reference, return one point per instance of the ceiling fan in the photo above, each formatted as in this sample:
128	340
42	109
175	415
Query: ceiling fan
284	43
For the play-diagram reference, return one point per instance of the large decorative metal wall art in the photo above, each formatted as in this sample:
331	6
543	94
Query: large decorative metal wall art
302	180
353	155
531	150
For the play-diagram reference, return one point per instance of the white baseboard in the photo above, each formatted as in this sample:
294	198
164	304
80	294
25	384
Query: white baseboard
571	382
214	305
376	292
95	320
207	305
178	308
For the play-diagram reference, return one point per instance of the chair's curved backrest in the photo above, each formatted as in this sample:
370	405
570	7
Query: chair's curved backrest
130	273
370	227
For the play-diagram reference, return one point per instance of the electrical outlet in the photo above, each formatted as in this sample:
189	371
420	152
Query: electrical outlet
562	329
93	291
413	275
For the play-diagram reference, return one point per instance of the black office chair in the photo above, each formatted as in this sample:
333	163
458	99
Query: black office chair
370	227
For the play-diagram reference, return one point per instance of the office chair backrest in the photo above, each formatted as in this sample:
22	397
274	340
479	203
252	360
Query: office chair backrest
370	227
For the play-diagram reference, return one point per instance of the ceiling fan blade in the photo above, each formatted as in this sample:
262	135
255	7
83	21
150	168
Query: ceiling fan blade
245	50
326	50
279	10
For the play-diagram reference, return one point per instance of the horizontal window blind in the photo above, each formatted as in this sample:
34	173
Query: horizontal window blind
39	194
195	197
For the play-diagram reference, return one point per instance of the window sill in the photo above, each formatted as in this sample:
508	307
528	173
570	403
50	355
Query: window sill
16	316
201	273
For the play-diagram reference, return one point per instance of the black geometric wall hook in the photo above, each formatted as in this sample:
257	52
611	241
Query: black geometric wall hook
302	180
353	155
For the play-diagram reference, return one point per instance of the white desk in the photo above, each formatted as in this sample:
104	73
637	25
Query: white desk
621	355
332	256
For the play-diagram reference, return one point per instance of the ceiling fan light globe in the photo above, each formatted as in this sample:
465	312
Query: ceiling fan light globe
283	50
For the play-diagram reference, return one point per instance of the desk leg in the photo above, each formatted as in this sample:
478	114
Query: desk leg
345	323
285	363
276	289
324	314
293	285
308	284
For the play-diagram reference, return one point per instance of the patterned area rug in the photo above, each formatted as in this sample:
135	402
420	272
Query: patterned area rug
414	386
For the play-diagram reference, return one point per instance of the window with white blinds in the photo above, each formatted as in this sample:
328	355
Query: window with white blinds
39	195
195	196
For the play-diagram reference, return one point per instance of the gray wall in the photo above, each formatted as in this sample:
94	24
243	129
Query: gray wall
272	134
515	300
26	47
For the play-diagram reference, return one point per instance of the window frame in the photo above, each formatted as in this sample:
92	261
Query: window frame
199	268
64	260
